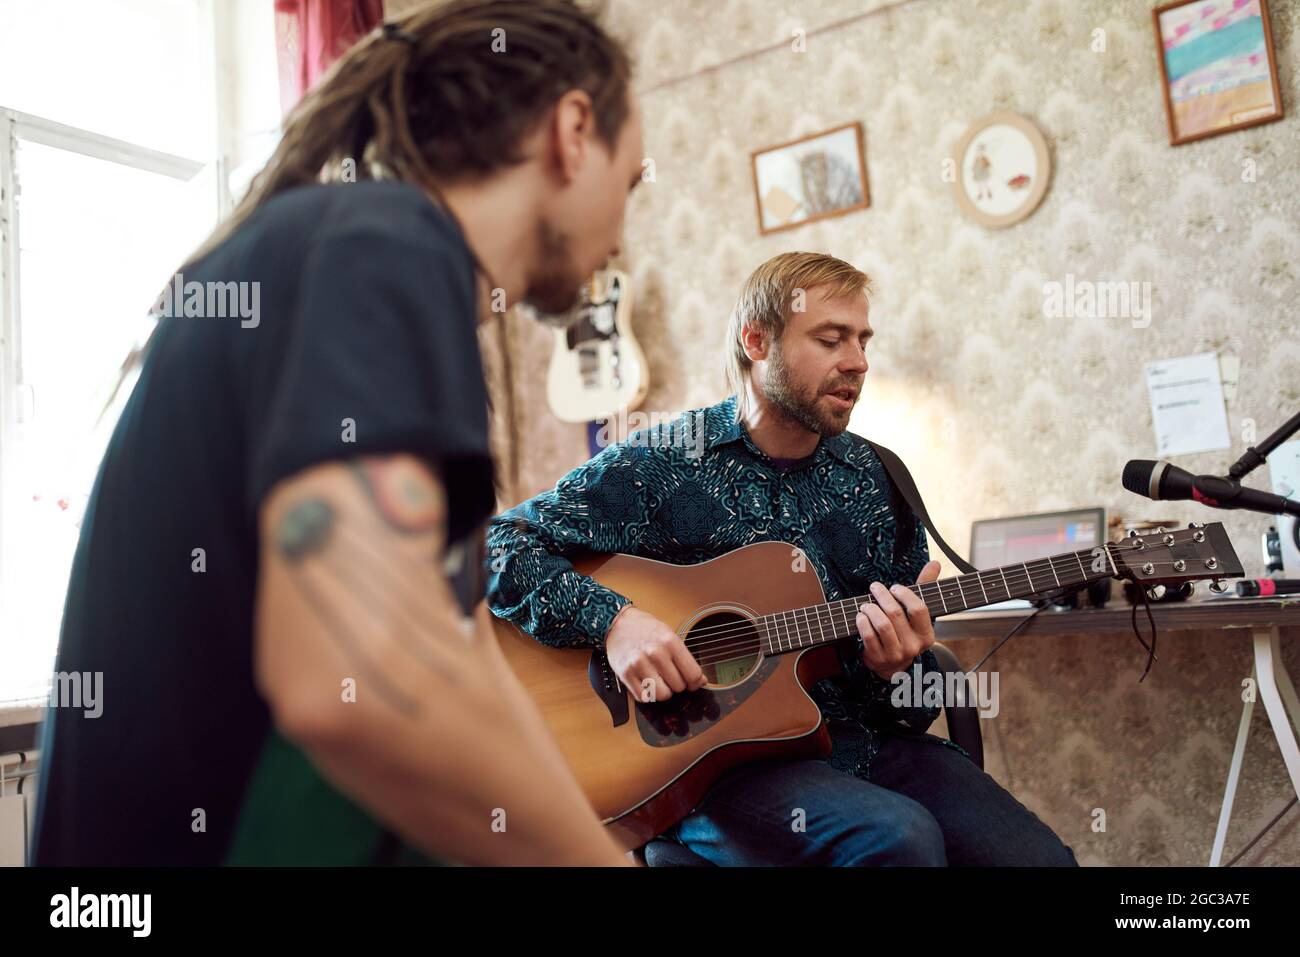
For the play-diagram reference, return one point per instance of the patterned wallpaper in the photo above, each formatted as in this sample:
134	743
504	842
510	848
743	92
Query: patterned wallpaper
997	409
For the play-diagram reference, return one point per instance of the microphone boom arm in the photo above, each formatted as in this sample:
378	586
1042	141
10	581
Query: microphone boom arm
1254	457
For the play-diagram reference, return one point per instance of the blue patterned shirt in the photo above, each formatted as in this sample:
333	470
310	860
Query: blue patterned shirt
693	489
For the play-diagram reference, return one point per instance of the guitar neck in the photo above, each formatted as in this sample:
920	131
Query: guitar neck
832	621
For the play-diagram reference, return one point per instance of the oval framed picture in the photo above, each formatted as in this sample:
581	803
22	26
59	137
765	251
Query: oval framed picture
1002	170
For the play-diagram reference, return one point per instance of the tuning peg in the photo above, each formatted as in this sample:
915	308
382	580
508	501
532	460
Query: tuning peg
1194	525
1160	530
1219	586
1156	592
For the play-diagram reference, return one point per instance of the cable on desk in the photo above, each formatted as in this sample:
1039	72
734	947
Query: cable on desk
1041	603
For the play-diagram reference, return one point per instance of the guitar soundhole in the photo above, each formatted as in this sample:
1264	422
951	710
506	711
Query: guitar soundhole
727	647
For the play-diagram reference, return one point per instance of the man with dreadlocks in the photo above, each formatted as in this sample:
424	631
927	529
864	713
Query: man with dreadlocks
274	578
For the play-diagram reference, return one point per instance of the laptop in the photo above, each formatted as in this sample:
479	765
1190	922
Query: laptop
1021	538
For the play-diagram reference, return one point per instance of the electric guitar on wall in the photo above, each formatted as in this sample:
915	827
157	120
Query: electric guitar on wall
598	368
757	621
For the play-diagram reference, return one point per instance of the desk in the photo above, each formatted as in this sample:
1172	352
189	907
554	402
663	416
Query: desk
1262	617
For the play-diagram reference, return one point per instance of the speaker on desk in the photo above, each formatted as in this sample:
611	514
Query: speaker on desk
1159	593
1098	594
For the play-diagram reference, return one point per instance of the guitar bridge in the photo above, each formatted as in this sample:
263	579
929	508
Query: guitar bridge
607	687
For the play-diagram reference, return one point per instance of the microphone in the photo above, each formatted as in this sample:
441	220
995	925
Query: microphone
1163	481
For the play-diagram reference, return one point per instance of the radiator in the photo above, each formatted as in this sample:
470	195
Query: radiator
17	806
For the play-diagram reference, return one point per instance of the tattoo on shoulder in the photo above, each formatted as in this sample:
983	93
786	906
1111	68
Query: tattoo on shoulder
348	577
305	529
401	493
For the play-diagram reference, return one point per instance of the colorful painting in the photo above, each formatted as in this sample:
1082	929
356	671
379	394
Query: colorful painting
1217	60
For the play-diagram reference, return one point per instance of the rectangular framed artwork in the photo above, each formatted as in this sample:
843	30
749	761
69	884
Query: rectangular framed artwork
1217	65
812	178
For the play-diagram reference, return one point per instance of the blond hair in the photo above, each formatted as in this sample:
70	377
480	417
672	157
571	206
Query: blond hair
768	297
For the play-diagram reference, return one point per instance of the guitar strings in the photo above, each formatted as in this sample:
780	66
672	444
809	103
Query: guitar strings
1038	564
743	636
934	589
744	639
937	586
724	642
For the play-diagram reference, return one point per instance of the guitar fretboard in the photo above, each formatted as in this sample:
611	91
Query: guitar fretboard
818	624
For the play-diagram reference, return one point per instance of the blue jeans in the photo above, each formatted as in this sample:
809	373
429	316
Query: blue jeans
925	805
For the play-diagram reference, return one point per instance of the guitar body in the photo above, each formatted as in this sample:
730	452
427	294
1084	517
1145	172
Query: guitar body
597	368
646	772
644	767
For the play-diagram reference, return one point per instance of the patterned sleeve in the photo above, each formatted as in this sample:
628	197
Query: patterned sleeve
598	507
913	560
882	710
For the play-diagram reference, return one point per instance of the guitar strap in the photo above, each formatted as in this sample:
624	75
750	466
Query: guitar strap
902	479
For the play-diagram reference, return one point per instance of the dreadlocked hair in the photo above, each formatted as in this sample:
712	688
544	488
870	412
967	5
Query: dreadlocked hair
446	92
450	94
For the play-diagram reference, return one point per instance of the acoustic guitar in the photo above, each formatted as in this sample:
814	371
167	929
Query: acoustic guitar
757	621
597	367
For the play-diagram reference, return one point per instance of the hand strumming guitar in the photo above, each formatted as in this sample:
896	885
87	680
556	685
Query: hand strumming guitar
649	657
898	627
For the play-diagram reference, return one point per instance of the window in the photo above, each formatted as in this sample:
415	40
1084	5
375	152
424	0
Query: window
108	179
135	70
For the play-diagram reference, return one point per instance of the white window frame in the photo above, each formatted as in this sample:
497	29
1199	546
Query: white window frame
15	125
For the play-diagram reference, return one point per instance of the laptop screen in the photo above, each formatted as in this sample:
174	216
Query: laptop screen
1004	541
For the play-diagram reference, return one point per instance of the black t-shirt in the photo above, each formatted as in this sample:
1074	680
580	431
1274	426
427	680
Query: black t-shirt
365	318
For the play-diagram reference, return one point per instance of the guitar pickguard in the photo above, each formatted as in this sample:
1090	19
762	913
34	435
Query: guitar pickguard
597	322
663	724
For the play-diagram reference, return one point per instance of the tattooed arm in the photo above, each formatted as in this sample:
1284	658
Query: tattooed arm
439	740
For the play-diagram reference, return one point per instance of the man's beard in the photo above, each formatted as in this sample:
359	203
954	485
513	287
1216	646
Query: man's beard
805	410
554	289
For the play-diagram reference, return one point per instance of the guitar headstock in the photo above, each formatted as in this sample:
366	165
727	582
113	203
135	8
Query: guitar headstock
1195	553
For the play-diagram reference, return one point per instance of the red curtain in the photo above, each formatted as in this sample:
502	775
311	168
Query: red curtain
312	34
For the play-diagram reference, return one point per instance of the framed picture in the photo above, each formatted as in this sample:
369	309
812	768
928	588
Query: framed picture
811	178
1217	65
1002	170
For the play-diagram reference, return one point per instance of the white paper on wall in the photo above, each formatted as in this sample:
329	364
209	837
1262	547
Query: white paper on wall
1187	404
